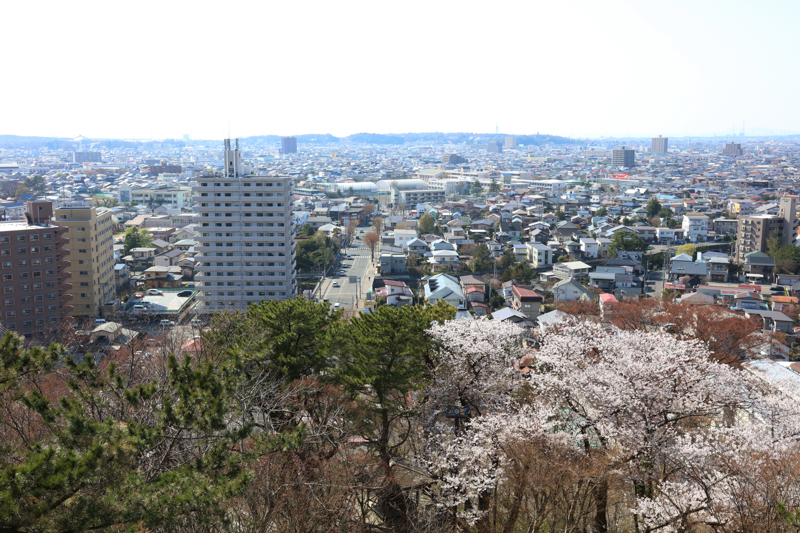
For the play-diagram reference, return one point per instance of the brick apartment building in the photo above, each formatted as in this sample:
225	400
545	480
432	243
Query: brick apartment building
33	269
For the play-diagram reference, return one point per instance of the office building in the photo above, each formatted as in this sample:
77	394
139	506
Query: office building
289	145
86	157
246	245
91	256
732	150
622	157
494	147
33	269
453	159
659	145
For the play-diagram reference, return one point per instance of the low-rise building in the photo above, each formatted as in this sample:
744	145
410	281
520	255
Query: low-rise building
526	301
571	269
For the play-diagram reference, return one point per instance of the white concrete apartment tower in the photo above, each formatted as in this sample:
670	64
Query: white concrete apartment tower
246	243
90	231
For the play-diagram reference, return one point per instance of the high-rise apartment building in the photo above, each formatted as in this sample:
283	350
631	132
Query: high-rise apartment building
511	143
91	256
659	145
453	159
33	294
622	157
289	145
732	150
494	147
755	230
86	157
246	245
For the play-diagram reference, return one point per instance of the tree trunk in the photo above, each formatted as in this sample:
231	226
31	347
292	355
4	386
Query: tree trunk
600	494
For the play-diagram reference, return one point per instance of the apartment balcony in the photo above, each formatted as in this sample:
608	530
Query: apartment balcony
208	216
239	207
65	310
206	268
234	238
239	250
238	278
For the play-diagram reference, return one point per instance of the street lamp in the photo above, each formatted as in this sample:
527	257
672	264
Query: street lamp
457	414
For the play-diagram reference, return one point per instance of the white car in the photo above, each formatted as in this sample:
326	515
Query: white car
335	283
155	292
167	323
196	322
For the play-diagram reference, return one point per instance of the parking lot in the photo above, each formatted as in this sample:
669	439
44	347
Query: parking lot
167	303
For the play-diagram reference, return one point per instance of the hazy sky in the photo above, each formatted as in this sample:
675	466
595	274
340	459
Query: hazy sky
167	68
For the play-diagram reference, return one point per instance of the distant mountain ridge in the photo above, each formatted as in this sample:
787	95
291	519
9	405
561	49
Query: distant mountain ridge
402	138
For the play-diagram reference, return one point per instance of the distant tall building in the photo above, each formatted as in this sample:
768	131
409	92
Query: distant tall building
453	159
33	272
289	145
91	256
659	145
86	157
494	147
511	143
163	168
732	150
622	157
246	242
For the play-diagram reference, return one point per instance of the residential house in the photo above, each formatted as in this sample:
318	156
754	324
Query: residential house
539	255
169	258
444	288
526	301
520	252
142	257
772	320
474	288
572	269
417	246
695	226
758	266
570	289
121	275
589	247
392	264
162	277
404	236
395	293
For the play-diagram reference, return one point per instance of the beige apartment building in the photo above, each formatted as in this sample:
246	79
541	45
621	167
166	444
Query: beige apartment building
91	256
755	230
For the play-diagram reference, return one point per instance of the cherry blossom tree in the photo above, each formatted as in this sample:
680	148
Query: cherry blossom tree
660	406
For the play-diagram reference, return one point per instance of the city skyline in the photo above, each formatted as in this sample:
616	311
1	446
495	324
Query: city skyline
583	70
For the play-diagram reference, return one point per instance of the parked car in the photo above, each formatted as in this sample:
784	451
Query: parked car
335	283
155	292
167	323
99	321
336	305
341	272
196	322
185	294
